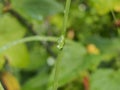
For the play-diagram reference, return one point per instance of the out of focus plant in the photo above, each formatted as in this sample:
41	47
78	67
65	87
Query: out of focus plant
89	60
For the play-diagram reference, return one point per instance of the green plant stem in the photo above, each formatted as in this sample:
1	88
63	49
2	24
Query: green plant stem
61	40
115	20
66	12
114	17
61	44
56	75
28	39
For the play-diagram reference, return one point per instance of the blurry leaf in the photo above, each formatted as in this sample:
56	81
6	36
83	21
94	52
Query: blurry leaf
1	88
57	20
82	61
105	6
11	30
105	79
109	48
117	7
9	81
36	8
38	82
71	59
38	56
39	27
17	56
102	6
91	62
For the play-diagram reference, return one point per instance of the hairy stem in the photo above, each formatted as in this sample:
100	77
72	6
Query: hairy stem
61	43
66	12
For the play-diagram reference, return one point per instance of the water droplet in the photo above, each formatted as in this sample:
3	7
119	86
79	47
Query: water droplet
61	42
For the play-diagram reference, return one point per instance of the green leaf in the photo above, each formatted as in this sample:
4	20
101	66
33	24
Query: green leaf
10	29
70	60
1	88
17	56
74	60
117	5
91	62
105	79
38	82
36	8
109	48
38	57
105	6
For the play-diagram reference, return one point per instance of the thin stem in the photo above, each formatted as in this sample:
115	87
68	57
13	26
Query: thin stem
61	43
115	20
66	12
56	75
28	39
114	17
61	40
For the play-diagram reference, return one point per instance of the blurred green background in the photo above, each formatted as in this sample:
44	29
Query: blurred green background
90	62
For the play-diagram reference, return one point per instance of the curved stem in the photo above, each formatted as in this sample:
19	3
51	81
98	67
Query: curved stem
28	39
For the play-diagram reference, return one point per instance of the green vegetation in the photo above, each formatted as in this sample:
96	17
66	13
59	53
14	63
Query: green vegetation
59	44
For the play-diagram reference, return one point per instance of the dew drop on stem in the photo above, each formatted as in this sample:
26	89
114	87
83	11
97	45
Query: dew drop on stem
61	42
